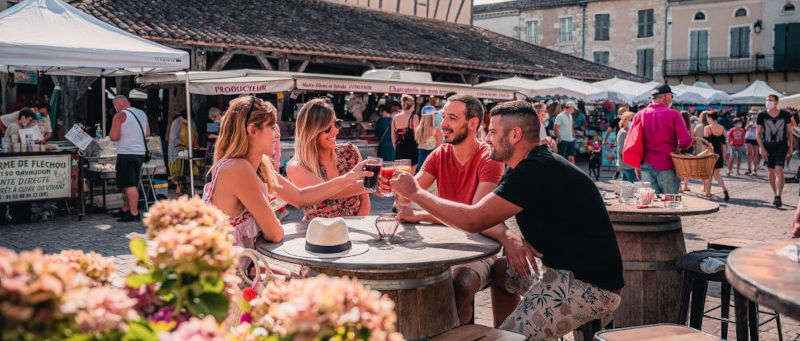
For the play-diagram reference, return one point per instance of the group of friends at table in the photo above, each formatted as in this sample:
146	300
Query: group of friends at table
480	184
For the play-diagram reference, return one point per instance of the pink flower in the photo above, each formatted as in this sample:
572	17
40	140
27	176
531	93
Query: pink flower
195	330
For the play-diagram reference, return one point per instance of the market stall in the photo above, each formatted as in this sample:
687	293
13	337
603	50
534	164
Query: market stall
374	82
54	38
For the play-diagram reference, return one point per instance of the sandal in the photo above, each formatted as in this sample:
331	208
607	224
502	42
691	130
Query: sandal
726	197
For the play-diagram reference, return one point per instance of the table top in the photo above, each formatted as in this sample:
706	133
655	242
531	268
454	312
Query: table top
691	206
768	279
414	247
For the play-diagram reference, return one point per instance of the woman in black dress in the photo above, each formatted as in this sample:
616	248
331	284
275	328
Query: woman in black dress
403	125
715	134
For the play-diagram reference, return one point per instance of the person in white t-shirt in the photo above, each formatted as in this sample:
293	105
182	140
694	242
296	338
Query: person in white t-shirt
40	119
565	132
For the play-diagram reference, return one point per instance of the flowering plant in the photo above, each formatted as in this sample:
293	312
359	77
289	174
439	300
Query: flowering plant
318	308
186	261
50	297
93	265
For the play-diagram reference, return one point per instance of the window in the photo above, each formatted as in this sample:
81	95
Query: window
788	8
565	31
602	22
645	23
532	32
698	51
742	12
601	57
644	63
699	16
740	42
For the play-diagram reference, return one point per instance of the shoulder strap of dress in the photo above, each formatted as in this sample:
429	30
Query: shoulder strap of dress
209	190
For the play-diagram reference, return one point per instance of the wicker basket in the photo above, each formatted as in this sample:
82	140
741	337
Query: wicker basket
697	167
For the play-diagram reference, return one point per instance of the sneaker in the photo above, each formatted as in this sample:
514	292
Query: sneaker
283	214
128	217
119	214
777	202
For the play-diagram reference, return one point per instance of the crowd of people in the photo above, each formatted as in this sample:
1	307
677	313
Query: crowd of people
483	165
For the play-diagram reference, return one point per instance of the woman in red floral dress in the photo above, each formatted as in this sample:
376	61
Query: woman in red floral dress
318	158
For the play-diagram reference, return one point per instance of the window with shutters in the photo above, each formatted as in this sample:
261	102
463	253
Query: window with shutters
602	23
532	32
601	57
565	30
740	42
644	63
646	23
741	12
698	51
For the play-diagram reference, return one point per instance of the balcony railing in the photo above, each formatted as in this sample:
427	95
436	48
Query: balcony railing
724	65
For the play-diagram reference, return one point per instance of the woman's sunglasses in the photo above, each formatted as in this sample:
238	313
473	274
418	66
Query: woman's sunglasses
249	111
338	124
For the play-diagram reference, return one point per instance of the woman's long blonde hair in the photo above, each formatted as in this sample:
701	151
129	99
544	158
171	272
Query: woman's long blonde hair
233	143
424	129
313	119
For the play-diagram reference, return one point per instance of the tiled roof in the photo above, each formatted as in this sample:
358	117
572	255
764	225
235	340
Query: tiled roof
321	28
521	4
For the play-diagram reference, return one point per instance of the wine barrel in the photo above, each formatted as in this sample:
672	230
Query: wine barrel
649	245
424	299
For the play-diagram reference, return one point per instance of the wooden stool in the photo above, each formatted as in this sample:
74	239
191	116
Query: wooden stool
475	332
586	332
655	332
730	243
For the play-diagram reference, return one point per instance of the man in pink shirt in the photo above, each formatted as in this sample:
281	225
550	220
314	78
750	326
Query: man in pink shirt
663	130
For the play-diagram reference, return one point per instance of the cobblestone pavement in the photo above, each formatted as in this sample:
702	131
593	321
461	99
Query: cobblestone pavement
749	215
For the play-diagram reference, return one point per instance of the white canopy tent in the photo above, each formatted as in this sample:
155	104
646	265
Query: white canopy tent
583	89
689	94
531	88
620	91
792	101
755	93
55	38
249	81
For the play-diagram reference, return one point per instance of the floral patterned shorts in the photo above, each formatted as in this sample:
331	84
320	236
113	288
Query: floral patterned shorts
556	304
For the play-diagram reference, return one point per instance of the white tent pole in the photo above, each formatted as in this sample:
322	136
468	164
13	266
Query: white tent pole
189	130
103	102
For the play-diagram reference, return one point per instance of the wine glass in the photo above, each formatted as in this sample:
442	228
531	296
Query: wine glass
386	224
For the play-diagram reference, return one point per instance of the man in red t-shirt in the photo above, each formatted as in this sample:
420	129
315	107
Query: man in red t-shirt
736	147
464	172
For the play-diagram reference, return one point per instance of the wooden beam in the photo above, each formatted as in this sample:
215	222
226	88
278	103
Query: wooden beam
262	59
283	64
223	60
303	66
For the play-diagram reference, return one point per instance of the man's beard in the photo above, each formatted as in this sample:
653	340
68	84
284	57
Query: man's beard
503	153
457	138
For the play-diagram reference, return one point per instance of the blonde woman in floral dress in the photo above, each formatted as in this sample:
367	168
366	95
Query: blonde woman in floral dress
318	158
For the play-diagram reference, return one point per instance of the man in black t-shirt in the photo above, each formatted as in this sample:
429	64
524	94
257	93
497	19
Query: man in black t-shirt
582	273
774	133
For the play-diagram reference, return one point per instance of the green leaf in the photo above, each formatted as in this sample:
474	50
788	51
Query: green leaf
213	304
135	280
166	286
214	285
139	249
139	332
80	337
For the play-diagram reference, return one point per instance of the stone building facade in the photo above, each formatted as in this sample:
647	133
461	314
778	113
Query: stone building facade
624	34
730	43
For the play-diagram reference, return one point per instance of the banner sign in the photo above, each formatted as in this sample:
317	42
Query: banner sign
347	85
26	77
28	178
237	86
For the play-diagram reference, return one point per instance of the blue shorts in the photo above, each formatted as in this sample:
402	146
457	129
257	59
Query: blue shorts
566	148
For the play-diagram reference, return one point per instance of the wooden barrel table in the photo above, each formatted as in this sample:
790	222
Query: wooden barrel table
650	240
766	278
414	270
